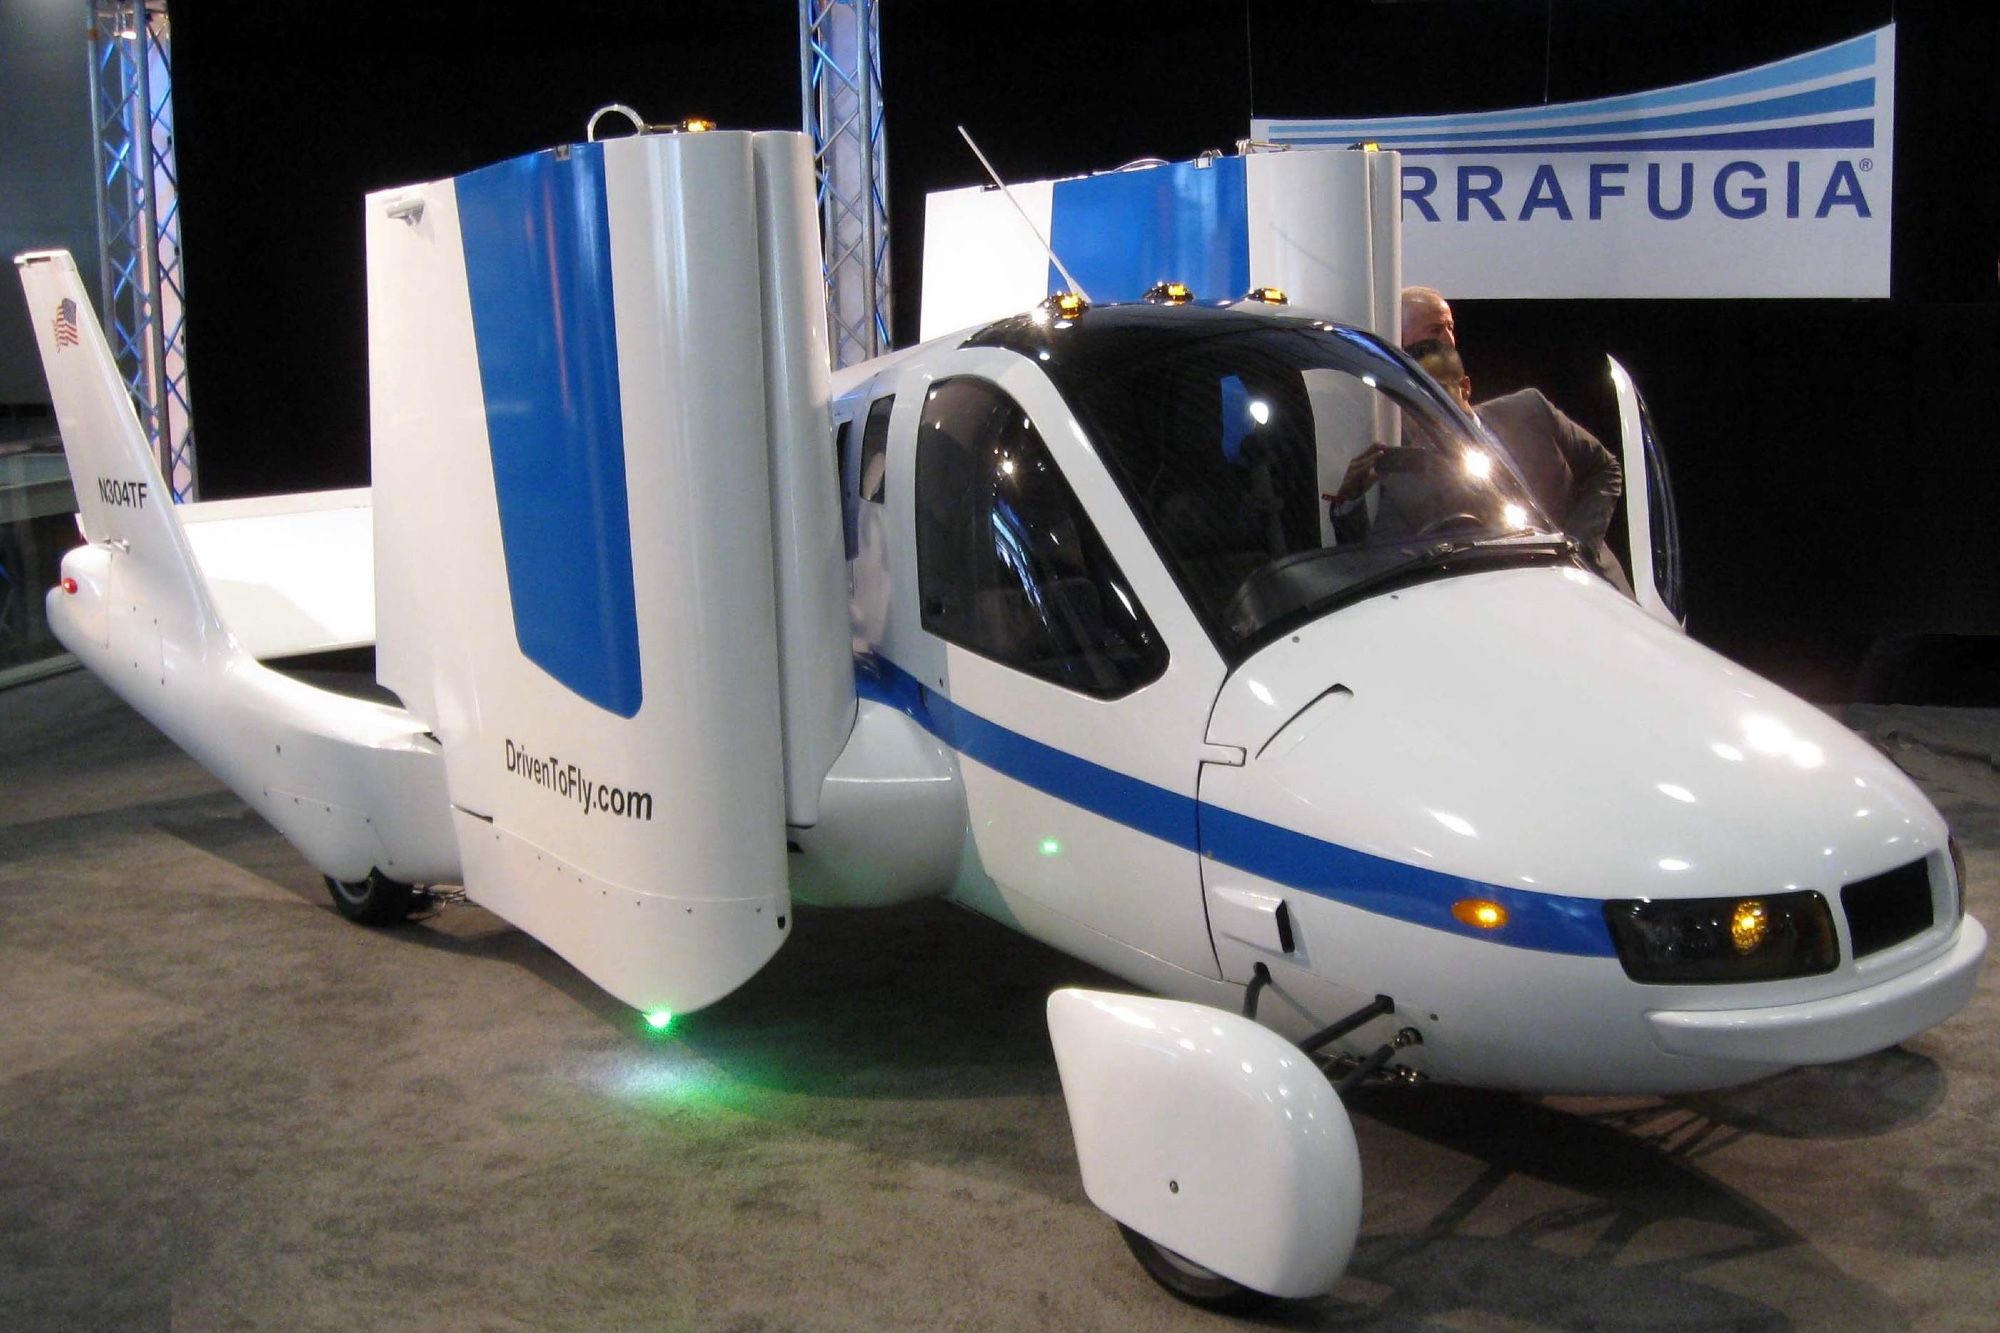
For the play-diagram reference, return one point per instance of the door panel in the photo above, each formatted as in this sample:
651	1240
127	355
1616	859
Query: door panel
1653	530
1079	723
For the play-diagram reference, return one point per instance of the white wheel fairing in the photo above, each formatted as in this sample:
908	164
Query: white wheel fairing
1211	1136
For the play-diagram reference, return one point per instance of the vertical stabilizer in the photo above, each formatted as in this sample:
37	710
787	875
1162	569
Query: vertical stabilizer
355	785
124	505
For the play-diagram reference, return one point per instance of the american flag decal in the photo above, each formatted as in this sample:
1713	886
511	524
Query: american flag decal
66	331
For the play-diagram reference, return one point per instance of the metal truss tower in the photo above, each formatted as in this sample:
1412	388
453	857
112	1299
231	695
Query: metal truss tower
138	223
840	87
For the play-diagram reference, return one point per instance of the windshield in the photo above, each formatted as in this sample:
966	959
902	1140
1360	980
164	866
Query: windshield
1283	465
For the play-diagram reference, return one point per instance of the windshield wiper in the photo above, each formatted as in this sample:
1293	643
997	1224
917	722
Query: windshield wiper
1515	547
1494	550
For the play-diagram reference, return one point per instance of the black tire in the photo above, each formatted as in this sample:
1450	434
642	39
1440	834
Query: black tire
375	901
1189	1280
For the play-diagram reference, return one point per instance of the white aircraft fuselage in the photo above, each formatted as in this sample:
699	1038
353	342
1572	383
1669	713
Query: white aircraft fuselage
1522	735
1093	634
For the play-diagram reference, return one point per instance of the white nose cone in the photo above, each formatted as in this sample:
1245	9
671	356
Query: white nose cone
1532	728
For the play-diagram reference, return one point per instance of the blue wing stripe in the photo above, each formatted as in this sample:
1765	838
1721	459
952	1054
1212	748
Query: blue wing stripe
537	237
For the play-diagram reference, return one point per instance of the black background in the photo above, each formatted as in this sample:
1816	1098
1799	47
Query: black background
1834	460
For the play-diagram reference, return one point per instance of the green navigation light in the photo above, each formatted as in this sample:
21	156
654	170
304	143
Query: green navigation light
1051	847
660	1019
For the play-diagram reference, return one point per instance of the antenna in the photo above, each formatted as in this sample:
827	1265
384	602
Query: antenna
1074	285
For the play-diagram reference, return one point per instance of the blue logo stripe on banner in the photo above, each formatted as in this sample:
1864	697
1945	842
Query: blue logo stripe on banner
538	264
1840	134
1846	58
1549	922
1856	96
1121	232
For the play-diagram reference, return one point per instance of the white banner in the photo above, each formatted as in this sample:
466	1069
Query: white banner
1774	181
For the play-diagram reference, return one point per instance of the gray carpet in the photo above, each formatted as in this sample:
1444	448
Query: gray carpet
222	1106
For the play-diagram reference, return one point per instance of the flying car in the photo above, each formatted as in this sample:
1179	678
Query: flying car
1048	617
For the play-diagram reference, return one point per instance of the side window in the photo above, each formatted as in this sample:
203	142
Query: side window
1008	563
875	449
843	439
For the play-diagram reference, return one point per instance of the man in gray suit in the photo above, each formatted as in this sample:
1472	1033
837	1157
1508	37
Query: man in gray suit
1575	479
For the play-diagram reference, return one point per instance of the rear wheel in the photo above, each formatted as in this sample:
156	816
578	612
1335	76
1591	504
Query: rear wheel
1189	1280
375	901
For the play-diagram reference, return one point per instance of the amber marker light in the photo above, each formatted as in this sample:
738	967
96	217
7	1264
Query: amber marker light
1480	913
1169	293
1064	305
1748	925
696	125
1268	295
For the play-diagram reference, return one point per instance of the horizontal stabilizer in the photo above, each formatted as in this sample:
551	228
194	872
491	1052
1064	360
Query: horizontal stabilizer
289	574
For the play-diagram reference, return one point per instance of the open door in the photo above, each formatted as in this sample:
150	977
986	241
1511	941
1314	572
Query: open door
1653	531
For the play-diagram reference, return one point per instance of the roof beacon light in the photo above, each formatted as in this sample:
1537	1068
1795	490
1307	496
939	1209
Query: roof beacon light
1063	306
1268	295
1169	293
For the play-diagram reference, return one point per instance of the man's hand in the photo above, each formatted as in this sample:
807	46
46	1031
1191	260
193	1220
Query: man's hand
1361	474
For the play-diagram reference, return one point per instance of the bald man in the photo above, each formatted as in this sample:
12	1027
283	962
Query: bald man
1575	479
1427	318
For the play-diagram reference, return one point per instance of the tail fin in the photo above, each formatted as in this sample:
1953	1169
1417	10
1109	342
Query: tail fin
120	497
355	785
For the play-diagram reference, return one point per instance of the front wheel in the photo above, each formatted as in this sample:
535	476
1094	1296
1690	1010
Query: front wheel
1189	1280
375	901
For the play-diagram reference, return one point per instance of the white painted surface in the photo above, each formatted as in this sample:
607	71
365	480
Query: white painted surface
1323	230
289	574
815	654
1840	1027
984	263
891	818
1104	876
1211	1136
356	786
705	744
1322	227
1492	734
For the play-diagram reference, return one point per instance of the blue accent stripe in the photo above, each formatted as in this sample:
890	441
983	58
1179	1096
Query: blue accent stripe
1551	923
537	235
1121	232
1856	96
1844	58
1119	797
1547	922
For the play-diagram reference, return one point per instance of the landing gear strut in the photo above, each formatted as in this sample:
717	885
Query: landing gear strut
377	900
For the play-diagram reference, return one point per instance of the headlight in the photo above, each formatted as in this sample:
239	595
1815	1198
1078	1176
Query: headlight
1724	939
